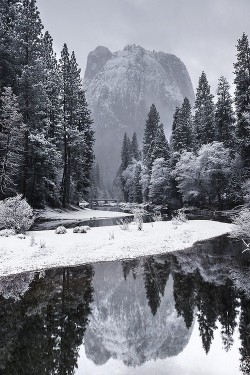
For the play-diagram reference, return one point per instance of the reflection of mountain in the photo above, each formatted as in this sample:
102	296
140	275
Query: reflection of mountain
122	325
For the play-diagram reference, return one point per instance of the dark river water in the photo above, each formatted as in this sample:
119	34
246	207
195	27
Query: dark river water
184	313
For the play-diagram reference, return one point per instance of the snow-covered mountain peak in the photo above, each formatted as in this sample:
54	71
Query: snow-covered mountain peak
120	88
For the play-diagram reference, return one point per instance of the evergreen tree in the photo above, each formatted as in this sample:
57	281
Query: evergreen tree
224	115
126	158
204	114
125	152
160	147
242	98
150	132
182	128
11	144
135	148
137	193
78	137
39	151
8	43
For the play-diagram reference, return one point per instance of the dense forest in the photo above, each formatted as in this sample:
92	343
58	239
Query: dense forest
206	163
46	136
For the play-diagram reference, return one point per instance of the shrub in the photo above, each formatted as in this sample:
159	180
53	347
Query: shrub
61	230
7	233
179	217
81	229
16	214
123	224
241	221
138	217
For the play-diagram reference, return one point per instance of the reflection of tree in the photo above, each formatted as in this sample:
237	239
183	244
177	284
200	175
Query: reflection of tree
213	302
48	324
130	266
207	315
156	273
227	309
244	329
184	295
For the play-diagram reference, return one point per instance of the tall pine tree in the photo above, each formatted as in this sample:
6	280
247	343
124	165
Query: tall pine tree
224	115
152	124
204	113
12	133
242	98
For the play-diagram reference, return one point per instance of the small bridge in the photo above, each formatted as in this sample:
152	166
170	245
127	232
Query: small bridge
104	202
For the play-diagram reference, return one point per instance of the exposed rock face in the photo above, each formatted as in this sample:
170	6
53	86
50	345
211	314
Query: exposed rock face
122	326
120	88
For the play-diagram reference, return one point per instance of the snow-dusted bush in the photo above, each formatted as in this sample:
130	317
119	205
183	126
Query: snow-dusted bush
111	235
61	230
42	244
86	227
21	236
16	214
123	224
7	233
179	217
80	229
32	240
138	217
241	227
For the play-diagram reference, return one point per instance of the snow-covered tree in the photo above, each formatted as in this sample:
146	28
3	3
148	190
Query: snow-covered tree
204	127
202	179
152	124
242	98
137	188
160	146
135	153
182	128
224	115
159	181
11	144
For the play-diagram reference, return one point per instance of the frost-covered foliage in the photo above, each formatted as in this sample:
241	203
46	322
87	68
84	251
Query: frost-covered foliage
246	191
61	230
159	182
138	217
241	228
123	224
7	232
179	217
202	179
16	214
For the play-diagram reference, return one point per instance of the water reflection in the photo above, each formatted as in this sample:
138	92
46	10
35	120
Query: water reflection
130	311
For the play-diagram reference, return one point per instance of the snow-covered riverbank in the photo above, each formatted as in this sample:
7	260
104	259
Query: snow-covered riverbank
101	244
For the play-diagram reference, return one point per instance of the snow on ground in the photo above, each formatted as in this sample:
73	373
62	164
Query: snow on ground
101	244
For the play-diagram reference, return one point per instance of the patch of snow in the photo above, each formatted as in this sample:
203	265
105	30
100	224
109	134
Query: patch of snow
97	245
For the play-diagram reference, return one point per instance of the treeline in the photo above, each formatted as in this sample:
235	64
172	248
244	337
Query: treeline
207	160
46	136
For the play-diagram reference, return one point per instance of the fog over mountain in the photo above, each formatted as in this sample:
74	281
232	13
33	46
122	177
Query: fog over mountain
120	88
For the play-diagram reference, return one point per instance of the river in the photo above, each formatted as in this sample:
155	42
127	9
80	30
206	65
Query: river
186	312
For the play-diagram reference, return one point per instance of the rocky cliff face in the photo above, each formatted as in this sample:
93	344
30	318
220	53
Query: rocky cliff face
120	88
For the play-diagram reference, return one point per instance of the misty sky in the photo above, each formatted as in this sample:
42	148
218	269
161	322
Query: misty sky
202	33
